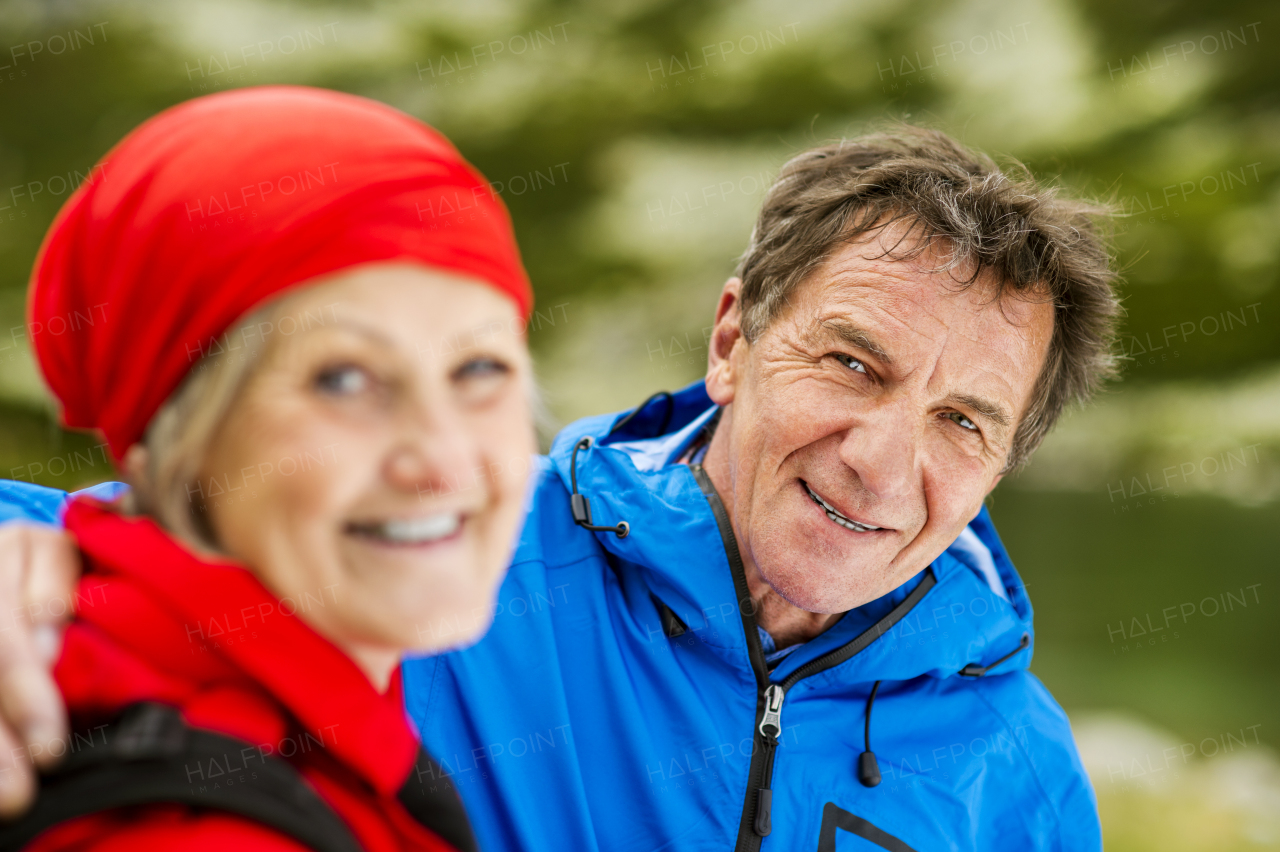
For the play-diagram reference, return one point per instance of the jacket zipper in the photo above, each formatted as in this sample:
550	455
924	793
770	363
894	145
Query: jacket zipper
756	822
770	729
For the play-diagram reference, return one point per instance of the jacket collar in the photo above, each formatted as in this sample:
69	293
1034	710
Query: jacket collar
977	612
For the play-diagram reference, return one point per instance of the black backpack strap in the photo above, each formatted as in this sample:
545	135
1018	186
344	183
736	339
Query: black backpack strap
429	797
151	756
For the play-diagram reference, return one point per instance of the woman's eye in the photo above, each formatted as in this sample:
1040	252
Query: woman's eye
851	362
481	368
962	421
345	380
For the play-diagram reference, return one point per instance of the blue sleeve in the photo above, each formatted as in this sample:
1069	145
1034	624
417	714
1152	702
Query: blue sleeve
1050	749
26	501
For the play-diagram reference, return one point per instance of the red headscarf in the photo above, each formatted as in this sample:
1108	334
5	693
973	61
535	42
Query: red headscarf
214	206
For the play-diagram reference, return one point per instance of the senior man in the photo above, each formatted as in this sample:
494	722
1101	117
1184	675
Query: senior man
770	611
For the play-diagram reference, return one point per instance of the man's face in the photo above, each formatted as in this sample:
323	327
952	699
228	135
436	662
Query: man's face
869	421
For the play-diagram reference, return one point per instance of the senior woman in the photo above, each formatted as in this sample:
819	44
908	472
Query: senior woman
312	369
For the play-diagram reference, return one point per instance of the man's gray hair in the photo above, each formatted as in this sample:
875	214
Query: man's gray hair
1031	240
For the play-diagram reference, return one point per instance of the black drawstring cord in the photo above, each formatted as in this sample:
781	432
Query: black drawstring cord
666	417
868	769
579	503
975	670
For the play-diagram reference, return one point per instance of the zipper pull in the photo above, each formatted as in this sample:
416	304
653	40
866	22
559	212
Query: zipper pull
772	711
770	729
764	806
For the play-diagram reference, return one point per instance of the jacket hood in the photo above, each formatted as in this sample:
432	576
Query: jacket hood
978	613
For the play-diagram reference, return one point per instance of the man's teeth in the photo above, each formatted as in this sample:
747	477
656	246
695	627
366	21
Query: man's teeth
416	531
836	516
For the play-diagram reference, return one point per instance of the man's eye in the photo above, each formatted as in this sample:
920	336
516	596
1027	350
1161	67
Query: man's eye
962	421
344	380
851	362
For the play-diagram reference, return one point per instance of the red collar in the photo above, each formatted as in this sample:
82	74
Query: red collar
305	673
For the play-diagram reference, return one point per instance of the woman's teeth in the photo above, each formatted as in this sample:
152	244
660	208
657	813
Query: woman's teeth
836	516
422	530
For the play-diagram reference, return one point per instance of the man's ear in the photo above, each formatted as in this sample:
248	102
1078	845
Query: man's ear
726	336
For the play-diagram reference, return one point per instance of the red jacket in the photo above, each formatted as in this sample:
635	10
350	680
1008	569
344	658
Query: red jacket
156	623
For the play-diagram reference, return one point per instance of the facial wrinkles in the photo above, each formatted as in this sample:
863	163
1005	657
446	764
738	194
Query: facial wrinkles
955	369
782	361
797	416
920	335
948	507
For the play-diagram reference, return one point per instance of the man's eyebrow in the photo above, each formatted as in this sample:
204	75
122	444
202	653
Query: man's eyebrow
854	336
990	410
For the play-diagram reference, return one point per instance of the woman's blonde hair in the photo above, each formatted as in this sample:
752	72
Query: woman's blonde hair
178	436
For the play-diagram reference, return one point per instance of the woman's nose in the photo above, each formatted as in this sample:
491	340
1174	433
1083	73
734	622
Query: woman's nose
435	453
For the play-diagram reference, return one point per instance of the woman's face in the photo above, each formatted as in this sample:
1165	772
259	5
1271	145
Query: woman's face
373	467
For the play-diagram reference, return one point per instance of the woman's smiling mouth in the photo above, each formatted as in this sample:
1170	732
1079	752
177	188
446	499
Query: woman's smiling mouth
427	529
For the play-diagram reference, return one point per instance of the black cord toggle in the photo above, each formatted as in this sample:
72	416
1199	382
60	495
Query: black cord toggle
868	769
580	505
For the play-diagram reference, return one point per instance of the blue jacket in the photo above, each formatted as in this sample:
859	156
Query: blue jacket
622	701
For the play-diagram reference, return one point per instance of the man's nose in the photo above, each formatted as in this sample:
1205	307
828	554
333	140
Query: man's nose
882	448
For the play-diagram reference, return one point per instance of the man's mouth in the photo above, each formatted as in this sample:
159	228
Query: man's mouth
835	516
408	531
